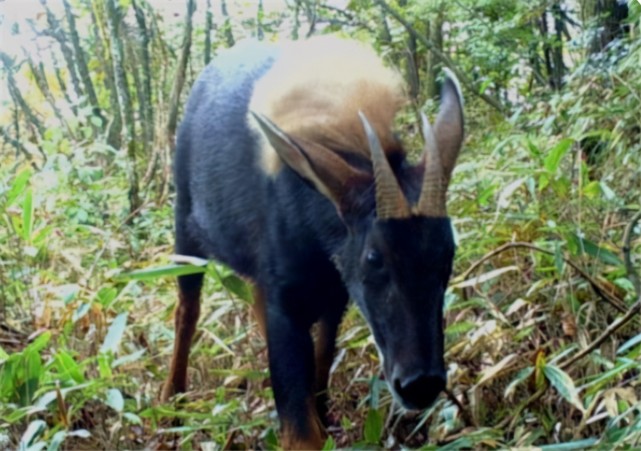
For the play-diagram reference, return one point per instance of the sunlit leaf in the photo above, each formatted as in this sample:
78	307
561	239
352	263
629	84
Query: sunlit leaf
373	428
583	245
115	400
506	193
27	215
329	444
564	385
489	373
238	287
18	186
68	367
485	277
35	429
130	358
57	440
114	334
570	446
161	271
629	344
132	418
554	156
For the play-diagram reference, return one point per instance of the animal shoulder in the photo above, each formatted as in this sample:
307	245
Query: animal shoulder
315	90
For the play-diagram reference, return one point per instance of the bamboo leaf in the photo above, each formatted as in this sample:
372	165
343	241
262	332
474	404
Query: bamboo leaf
564	385
68	367
18	185
161	271
570	446
115	333
27	216
373	428
485	277
33	431
115	400
57	440
629	344
554	157
583	245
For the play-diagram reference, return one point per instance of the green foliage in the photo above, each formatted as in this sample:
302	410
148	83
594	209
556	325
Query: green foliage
87	285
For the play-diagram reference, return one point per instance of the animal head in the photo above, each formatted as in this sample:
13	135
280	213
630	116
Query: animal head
397	255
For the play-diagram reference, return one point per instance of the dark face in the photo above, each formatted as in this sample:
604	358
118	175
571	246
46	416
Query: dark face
397	271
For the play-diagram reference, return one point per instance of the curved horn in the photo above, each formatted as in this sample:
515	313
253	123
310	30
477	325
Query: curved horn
390	200
432	199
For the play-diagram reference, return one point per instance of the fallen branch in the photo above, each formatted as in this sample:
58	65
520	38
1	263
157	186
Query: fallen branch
609	298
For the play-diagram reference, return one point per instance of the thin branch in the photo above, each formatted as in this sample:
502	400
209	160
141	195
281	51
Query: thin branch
609	298
445	60
612	328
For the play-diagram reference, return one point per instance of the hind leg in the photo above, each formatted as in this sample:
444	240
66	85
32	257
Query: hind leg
260	309
324	349
187	310
186	318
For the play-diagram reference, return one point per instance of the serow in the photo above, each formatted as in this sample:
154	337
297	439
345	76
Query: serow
287	170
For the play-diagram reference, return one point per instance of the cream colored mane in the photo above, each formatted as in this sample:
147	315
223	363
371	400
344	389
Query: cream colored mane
315	90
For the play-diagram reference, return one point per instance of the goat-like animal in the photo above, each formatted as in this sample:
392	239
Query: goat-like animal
287	170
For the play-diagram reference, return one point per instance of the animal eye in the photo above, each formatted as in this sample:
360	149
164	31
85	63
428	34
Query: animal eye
375	259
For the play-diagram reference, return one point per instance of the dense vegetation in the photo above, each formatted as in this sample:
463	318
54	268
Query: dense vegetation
543	325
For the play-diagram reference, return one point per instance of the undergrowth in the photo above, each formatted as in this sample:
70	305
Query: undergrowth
542	343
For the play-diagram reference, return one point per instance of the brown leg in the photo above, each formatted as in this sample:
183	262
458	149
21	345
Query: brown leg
324	347
260	309
315	437
187	313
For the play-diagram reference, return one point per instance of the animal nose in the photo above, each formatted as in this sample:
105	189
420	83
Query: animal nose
419	389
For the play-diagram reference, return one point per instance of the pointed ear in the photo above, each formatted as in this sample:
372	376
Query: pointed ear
325	170
449	126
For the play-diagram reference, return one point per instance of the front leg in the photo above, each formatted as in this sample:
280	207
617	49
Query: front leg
291	364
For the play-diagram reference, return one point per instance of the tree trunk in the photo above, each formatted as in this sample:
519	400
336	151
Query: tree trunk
81	62
229	35
60	79
17	97
40	79
559	65
56	31
385	36
145	99
606	18
114	131
209	20
179	80
435	32
260	12
114	19
547	50
296	28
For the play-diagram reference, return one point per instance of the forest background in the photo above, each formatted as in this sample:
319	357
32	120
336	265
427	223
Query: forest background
543	328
